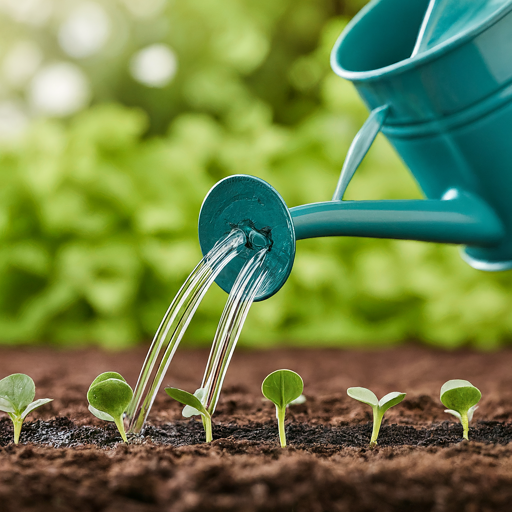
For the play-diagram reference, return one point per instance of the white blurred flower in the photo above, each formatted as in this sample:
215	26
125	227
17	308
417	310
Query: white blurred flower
21	62
85	31
13	121
154	66
59	90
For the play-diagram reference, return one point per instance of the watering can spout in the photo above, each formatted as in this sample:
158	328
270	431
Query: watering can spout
458	218
246	202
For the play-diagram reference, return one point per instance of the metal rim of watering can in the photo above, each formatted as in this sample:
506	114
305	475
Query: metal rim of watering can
418	60
249	203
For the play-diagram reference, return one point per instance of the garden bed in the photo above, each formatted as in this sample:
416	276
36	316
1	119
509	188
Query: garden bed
69	460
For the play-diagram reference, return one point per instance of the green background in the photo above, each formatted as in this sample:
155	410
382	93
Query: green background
98	211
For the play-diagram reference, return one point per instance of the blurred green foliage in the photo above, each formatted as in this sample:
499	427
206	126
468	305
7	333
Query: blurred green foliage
98	213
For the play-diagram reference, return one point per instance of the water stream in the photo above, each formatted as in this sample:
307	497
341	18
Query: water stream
249	281
174	324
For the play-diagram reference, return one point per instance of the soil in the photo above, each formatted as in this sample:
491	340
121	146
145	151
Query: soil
69	460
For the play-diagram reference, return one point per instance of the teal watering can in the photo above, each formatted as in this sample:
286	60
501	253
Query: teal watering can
437	78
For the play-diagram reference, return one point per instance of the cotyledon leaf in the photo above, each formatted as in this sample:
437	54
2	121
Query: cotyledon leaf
282	387
390	400
35	405
188	410
99	414
187	398
459	395
111	396
19	389
105	376
363	395
5	405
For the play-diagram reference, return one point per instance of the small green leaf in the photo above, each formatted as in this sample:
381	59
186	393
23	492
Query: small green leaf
5	405
390	400
459	395
101	415
282	387
35	405
111	396
19	389
189	411
363	395
105	376
187	398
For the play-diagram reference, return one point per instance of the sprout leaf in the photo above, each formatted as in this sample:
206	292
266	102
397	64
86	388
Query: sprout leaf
99	414
188	410
109	395
193	402
379	407
363	395
17	392
282	387
35	405
5	405
460	396
390	400
105	376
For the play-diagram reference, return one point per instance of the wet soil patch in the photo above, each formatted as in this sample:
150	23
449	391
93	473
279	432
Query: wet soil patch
64	433
70	461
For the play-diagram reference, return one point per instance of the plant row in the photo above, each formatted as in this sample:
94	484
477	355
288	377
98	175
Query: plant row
109	396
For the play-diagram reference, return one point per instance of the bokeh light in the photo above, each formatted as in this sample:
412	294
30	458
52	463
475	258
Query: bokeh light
154	66
58	90
85	30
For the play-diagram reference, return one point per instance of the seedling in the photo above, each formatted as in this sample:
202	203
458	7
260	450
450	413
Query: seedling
379	407
461	397
109	396
193	406
17	392
282	387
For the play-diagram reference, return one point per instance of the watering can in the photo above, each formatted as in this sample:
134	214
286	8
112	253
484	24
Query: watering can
437	78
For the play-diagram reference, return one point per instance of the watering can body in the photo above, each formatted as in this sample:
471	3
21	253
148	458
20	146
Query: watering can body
447	111
450	107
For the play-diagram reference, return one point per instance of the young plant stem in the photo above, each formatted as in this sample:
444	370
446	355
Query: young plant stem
207	425
280	420
17	422
465	424
120	426
377	420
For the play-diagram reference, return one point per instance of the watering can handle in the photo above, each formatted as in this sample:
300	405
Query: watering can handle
359	147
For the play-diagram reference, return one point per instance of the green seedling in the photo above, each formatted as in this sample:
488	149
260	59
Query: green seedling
379	407
109	396
17	392
461	397
282	387
193	406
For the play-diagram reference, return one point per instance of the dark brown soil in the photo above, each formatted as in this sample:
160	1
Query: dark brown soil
70	461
